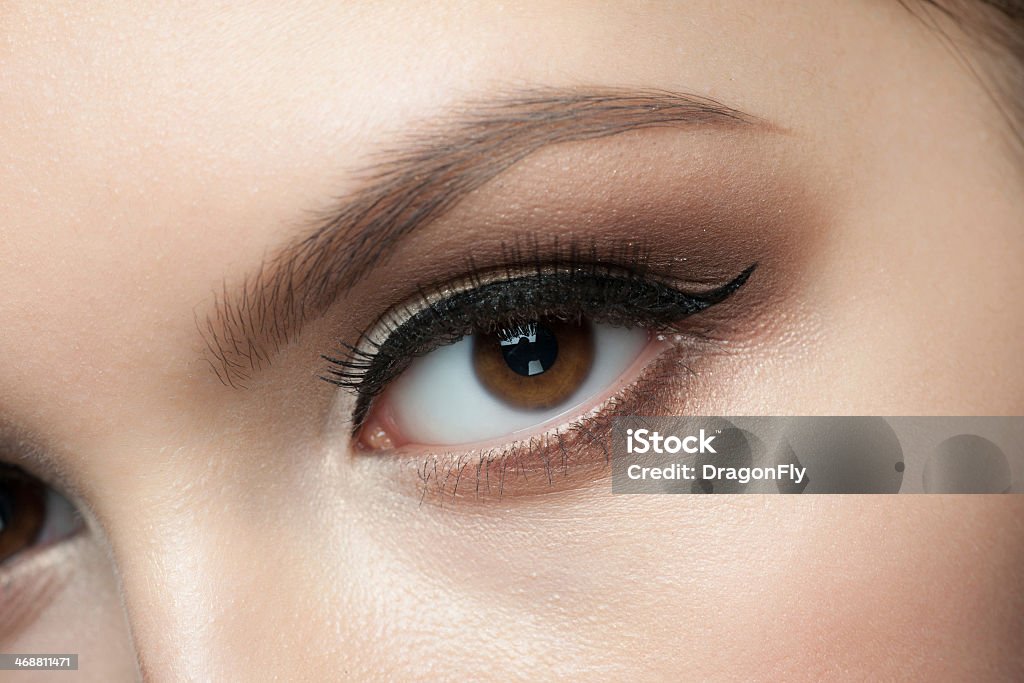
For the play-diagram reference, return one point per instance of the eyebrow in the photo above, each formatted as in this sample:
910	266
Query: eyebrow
412	185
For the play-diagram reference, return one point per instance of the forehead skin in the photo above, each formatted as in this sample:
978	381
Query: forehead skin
149	154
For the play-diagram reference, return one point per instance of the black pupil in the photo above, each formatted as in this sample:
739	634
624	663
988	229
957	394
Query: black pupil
529	349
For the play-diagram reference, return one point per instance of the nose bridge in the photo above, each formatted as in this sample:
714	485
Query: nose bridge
201	576
163	554
169	611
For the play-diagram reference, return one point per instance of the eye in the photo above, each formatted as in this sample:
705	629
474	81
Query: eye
497	355
31	514
501	384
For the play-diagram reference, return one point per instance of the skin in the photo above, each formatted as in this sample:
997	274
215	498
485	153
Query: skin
149	157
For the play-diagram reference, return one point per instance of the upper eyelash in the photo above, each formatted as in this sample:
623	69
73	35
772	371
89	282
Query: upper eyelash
483	302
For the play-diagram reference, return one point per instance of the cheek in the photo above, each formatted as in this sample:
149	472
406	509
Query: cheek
745	584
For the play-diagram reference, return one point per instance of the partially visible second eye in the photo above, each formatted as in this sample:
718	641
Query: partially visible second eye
497	385
31	514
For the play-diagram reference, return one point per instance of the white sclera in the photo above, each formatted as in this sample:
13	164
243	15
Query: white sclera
438	400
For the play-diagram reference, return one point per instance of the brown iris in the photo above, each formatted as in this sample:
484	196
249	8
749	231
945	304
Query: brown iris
534	366
22	511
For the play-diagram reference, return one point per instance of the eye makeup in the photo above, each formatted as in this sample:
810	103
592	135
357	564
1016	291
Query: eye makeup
570	292
695	242
482	303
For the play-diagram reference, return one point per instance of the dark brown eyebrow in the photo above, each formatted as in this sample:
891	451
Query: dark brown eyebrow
413	186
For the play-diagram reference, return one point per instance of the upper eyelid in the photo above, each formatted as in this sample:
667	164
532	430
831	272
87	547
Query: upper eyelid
428	297
632	263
